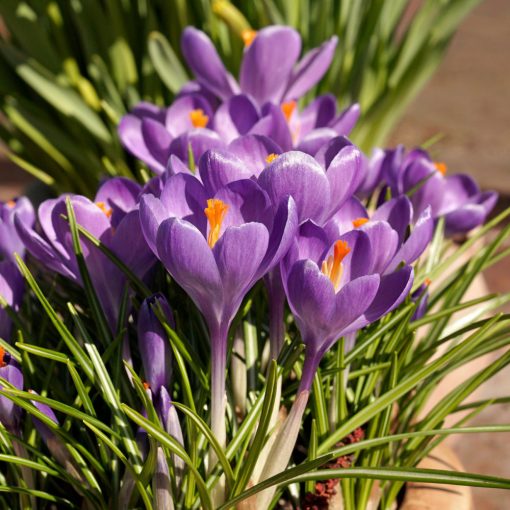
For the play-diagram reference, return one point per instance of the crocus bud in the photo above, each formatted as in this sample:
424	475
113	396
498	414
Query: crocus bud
170	422
163	499
10	414
153	342
168	415
44	431
421	296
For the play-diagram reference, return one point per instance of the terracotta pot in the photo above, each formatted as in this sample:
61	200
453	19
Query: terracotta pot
430	496
425	496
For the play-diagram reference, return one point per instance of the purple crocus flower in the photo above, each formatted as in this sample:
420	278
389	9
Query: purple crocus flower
464	206
269	71
319	186
456	197
10	414
264	102
113	218
11	282
332	290
216	248
153	343
387	229
153	136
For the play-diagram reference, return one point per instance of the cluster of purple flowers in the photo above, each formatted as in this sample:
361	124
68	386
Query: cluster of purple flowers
248	187
213	111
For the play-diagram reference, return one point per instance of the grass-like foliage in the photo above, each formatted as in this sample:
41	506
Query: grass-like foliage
364	426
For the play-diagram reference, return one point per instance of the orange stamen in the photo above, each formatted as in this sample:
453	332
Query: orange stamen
359	222
441	167
215	212
108	212
332	266
248	36
198	118
2	358
288	109
10	204
271	157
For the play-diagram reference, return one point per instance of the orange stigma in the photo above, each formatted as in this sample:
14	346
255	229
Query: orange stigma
359	222
10	204
108	212
215	212
427	282
271	157
3	362
288	109
248	36
198	118
332	266
440	167
146	385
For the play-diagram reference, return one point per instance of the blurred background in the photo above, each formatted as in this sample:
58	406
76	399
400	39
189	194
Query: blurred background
467	106
468	102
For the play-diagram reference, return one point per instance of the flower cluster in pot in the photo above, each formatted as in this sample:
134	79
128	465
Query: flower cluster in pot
247	187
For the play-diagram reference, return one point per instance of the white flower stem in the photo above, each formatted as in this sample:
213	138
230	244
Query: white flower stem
218	404
285	441
283	446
